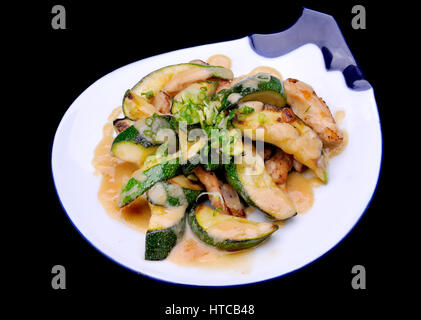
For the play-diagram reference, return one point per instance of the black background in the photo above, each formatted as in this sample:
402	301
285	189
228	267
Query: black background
101	37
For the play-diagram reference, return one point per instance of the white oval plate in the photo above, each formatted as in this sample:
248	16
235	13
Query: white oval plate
338	205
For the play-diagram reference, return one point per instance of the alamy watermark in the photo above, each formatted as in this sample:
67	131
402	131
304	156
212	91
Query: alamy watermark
59	279
359	20
59	19
359	280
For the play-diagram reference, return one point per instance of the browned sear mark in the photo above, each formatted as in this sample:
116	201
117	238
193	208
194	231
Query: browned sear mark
279	165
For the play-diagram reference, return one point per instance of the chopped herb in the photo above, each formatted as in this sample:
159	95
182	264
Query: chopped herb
149	133
241	117
166	152
221	93
308	108
174	202
202	95
215	211
231	114
246	110
148	94
149	121
262	118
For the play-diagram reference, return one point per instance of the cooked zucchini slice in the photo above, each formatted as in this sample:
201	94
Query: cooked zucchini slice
156	80
168	202
227	232
293	137
251	180
122	124
130	146
140	140
136	107
166	226
193	91
142	180
259	87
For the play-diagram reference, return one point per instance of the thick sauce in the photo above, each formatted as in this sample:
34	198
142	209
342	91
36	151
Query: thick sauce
189	251
337	150
265	69
300	185
300	190
192	252
220	60
114	173
257	70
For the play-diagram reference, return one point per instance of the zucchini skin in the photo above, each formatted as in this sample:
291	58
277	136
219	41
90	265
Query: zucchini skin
191	164
131	135
273	85
197	160
234	181
191	195
159	243
160	172
227	245
188	167
206	159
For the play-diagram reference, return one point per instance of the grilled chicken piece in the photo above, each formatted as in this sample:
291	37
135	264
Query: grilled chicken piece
211	183
228	201
287	115
162	102
279	165
298	166
312	110
267	152
232	200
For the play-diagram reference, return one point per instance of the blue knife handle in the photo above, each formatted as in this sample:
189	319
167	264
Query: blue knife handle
322	30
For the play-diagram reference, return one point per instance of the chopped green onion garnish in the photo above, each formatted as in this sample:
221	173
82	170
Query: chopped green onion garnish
149	121
246	110
149	133
262	118
148	94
